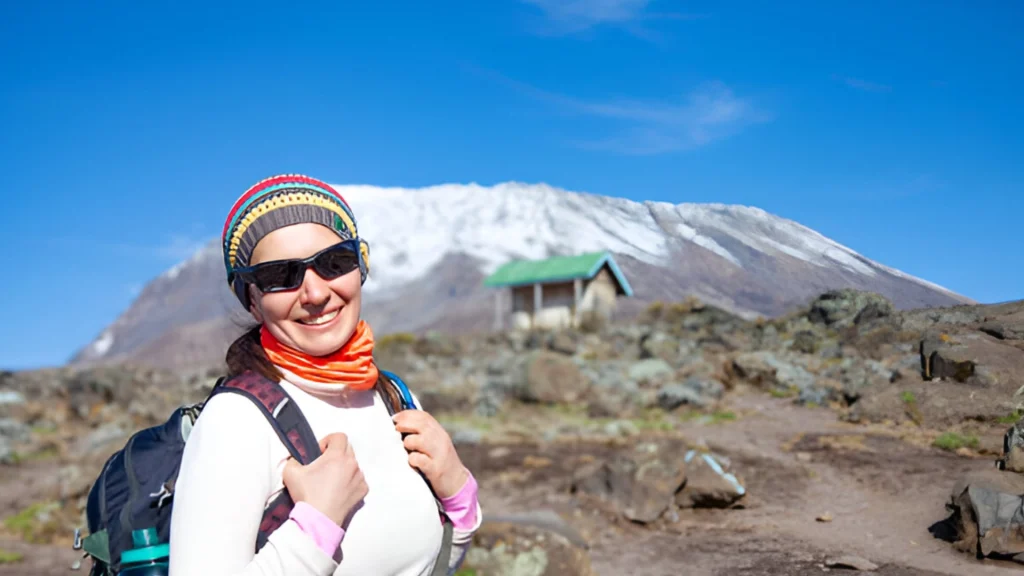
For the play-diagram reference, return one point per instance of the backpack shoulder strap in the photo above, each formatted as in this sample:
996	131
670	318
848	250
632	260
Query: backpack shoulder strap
400	387
291	427
280	410
407	403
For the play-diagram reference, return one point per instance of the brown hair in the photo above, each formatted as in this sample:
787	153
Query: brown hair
246	354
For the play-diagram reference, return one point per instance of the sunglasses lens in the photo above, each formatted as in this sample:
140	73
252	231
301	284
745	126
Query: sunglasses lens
277	276
337	262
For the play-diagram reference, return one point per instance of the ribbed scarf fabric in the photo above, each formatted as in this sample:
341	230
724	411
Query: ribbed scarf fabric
350	368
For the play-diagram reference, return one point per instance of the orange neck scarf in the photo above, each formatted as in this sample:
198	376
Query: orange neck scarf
351	367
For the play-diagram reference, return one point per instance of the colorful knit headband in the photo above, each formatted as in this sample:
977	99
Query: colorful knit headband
277	202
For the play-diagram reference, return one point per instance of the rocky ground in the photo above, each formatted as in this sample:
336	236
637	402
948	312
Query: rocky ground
689	442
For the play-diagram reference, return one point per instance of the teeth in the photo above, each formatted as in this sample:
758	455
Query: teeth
320	319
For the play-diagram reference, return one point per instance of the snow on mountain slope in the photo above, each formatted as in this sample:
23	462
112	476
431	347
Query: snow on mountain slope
411	230
449	236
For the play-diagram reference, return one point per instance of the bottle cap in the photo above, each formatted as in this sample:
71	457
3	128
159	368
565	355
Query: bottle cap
147	547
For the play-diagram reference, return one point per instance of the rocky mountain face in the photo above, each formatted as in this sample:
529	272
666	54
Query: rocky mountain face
685	421
432	247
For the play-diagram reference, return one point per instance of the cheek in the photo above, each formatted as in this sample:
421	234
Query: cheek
347	287
277	306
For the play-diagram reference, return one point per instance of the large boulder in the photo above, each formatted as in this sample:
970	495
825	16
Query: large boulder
527	547
709	484
848	307
553	378
987	514
645	486
971	358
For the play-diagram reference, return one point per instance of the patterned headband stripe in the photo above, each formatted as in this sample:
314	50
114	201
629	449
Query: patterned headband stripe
266	193
289	197
253	190
296	180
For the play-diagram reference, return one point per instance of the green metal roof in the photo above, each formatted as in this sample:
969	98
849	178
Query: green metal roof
556	269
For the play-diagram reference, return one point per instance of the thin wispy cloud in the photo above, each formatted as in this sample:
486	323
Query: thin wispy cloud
861	84
708	113
562	17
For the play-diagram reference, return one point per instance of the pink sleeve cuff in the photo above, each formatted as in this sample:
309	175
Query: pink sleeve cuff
461	507
320	528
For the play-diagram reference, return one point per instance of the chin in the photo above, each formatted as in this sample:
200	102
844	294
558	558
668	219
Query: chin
327	343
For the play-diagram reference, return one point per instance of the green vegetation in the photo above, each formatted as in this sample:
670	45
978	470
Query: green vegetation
397	338
35	524
913	412
1010	418
46	453
953	441
8	557
788	392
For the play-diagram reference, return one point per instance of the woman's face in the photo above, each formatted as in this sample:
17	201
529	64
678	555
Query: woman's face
289	315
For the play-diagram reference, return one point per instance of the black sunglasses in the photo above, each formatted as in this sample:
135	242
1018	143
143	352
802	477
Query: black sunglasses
281	275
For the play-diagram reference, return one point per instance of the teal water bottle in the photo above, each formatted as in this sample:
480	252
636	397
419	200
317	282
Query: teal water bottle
148	558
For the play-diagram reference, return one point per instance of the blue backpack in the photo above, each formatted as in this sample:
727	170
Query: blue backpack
135	489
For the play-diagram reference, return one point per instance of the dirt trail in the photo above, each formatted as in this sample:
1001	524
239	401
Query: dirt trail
882	492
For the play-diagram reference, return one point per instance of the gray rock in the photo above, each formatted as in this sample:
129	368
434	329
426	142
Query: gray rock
672	396
562	343
641	489
621	428
805	341
650	370
851	562
695	391
856	375
11	397
708	483
1004	330
607	404
14	430
846	307
7	454
654	486
817	395
1013	449
553	378
102	439
766	369
953	363
467	436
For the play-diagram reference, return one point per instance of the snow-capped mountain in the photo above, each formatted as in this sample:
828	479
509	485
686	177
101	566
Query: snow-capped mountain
431	247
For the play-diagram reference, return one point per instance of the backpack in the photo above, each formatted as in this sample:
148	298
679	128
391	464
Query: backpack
135	489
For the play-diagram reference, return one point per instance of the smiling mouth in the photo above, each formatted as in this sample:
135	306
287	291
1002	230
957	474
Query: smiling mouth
321	319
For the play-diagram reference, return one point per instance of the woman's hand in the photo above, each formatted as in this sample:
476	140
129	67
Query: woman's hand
431	451
333	483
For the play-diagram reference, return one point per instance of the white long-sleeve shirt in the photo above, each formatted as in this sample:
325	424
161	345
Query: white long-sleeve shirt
232	468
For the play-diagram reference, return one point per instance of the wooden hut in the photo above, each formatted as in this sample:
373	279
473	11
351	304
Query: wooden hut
557	292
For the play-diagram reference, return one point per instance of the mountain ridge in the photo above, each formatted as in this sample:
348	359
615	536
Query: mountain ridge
441	240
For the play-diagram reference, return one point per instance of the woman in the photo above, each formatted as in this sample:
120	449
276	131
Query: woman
295	261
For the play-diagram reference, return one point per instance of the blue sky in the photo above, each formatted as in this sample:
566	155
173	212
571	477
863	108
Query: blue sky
892	127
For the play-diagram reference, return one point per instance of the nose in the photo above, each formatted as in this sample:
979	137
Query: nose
315	291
